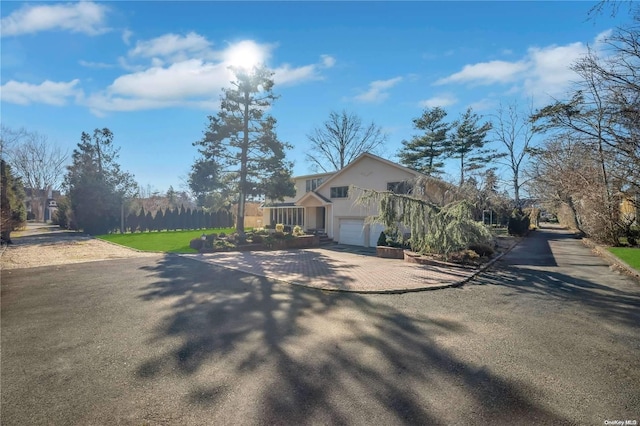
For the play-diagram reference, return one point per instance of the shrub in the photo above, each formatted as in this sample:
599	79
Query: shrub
280	228
222	245
196	243
222	235
518	223
297	231
483	250
382	239
261	231
278	235
257	239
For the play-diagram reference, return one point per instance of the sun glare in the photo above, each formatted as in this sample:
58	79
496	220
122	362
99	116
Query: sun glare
245	54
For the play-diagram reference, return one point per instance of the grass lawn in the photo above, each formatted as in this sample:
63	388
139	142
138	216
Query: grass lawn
628	254
165	241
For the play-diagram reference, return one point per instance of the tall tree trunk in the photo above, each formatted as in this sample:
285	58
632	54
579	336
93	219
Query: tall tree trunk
243	167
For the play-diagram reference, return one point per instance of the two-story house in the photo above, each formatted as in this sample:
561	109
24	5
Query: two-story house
323	204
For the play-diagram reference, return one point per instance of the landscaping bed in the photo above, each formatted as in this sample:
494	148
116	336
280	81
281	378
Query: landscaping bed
256	240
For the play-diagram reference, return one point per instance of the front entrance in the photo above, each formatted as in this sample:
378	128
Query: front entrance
320	218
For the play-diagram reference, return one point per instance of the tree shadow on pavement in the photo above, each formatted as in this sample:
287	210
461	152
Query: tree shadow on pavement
264	353
603	301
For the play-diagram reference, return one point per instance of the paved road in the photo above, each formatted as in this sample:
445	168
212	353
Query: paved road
552	336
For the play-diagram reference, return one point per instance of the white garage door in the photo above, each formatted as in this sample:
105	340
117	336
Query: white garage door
374	233
351	232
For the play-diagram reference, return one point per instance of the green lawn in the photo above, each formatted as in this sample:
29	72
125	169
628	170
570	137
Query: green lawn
165	241
628	254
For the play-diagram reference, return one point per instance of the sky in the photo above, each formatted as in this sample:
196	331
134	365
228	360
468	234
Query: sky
152	71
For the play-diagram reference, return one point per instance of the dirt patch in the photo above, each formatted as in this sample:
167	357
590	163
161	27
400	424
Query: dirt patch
53	247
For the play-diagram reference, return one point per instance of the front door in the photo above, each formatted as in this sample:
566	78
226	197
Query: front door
320	213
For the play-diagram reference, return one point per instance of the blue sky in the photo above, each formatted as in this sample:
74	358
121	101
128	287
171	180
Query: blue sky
153	71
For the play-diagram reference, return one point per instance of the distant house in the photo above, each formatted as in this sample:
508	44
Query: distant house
41	204
322	203
253	214
630	208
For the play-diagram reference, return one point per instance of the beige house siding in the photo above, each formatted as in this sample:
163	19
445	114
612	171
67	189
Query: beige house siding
366	172
301	185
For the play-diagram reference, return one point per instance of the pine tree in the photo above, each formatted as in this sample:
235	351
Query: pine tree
424	152
467	144
240	149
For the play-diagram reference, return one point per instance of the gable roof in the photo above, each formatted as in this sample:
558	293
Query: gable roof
315	195
374	157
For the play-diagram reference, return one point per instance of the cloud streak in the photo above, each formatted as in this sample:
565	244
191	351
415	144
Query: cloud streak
48	92
82	17
543	72
378	90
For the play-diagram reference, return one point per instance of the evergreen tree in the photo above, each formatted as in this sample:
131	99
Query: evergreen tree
132	222
12	211
241	153
96	186
424	152
142	218
467	144
148	222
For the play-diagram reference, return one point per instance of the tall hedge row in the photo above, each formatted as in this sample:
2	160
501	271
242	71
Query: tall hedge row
179	218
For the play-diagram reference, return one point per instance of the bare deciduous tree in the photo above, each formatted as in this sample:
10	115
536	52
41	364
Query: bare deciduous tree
515	131
341	139
9	138
40	164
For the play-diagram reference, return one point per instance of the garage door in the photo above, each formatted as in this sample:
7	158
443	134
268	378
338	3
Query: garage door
374	233
351	232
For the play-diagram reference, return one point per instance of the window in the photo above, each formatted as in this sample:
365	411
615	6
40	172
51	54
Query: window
312	184
399	187
339	191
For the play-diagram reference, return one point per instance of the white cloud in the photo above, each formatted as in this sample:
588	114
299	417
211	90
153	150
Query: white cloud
172	46
97	65
180	80
48	92
167	71
328	61
443	100
194	82
603	37
126	36
378	90
486	73
541	73
82	17
287	75
550	69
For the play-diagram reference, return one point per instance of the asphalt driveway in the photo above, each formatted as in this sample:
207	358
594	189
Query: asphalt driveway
551	336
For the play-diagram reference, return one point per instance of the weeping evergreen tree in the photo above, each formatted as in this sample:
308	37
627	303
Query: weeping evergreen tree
435	229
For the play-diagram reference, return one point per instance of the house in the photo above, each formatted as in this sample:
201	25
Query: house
630	209
41	204
323	204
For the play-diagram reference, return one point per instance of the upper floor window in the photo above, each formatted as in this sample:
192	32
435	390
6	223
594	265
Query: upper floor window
403	187
339	191
312	184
